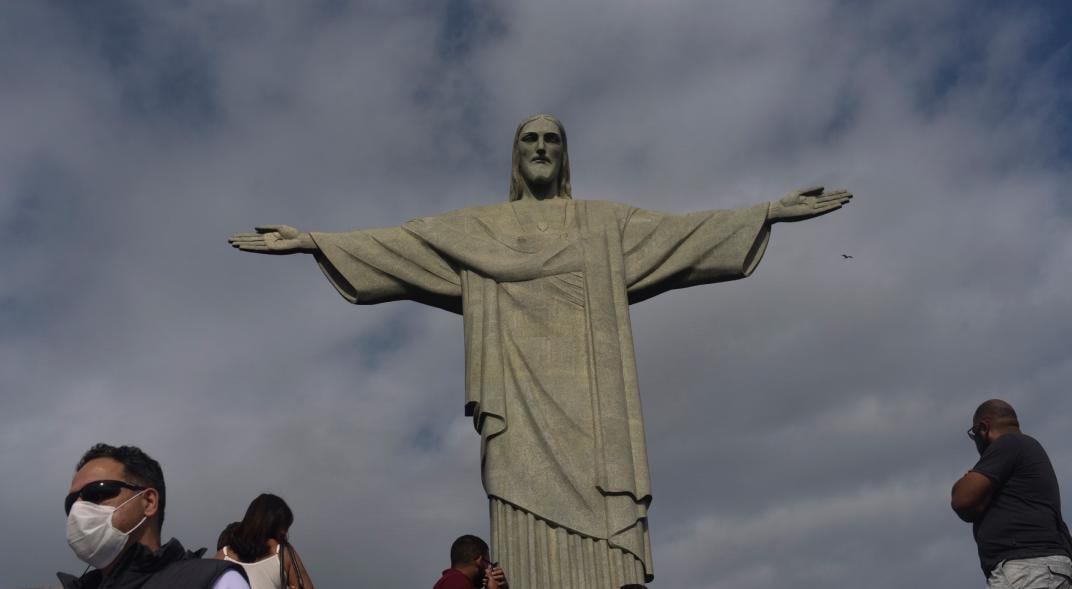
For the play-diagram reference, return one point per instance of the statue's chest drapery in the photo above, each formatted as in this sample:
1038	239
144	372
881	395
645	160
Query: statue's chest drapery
533	313
507	243
550	377
543	328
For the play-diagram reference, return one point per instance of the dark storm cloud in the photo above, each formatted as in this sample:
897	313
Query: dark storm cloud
804	424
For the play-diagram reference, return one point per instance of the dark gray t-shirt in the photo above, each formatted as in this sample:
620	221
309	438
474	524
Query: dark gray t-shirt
1024	516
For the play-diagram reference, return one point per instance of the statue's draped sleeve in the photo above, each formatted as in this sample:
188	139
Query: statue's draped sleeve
664	252
379	265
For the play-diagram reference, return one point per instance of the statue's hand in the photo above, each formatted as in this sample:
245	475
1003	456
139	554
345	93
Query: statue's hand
807	203
273	239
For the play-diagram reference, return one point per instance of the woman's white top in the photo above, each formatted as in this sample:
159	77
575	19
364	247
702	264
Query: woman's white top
263	574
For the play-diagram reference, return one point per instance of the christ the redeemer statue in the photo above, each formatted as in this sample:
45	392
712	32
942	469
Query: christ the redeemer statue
544	282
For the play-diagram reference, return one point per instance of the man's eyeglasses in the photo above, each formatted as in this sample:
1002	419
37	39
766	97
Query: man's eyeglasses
96	492
971	433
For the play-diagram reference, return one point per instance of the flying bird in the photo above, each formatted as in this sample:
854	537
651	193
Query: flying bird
846	256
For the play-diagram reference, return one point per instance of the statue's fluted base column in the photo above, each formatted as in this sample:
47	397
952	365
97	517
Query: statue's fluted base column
536	554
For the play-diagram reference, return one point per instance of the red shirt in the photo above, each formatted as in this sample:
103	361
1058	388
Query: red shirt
453	579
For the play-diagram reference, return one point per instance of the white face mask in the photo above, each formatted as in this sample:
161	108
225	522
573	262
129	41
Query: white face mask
91	535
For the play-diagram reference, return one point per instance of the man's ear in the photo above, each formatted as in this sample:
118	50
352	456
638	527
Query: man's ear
152	502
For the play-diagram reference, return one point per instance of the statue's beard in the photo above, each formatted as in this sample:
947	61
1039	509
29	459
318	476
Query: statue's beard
539	175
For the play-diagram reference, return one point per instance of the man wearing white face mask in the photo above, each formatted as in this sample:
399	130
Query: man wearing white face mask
115	512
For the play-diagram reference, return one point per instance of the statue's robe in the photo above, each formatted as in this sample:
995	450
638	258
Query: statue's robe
550	370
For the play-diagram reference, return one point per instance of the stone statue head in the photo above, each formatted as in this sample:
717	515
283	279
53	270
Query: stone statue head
519	169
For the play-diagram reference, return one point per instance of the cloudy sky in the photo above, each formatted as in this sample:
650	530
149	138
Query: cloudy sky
804	425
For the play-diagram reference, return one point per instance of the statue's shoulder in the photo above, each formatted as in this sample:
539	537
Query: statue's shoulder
604	204
502	211
465	214
606	208
491	210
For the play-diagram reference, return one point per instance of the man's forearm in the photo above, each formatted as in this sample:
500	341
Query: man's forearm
970	496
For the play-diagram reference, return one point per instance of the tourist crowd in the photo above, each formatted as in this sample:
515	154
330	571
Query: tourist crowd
115	515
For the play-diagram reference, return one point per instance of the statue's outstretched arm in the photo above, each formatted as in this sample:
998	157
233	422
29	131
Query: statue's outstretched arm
368	266
274	239
806	204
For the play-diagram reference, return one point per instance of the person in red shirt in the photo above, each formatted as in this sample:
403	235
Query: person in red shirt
471	567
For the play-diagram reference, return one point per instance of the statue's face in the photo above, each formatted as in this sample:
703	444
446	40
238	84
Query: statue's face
540	148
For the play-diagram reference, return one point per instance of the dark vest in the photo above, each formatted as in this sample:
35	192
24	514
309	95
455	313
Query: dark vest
170	567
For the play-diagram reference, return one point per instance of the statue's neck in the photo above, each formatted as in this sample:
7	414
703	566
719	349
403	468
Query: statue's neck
539	191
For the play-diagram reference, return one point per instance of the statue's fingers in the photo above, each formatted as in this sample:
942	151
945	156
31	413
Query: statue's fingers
243	235
833	196
821	212
246	238
810	191
250	247
269	228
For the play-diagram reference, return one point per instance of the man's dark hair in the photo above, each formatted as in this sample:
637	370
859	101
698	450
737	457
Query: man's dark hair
139	466
466	549
997	412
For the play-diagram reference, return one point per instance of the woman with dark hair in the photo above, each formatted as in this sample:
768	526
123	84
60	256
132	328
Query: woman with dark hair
259	544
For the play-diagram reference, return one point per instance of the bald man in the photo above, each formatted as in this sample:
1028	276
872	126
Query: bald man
1012	500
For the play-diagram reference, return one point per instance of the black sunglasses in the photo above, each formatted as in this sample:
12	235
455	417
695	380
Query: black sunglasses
973	431
96	492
